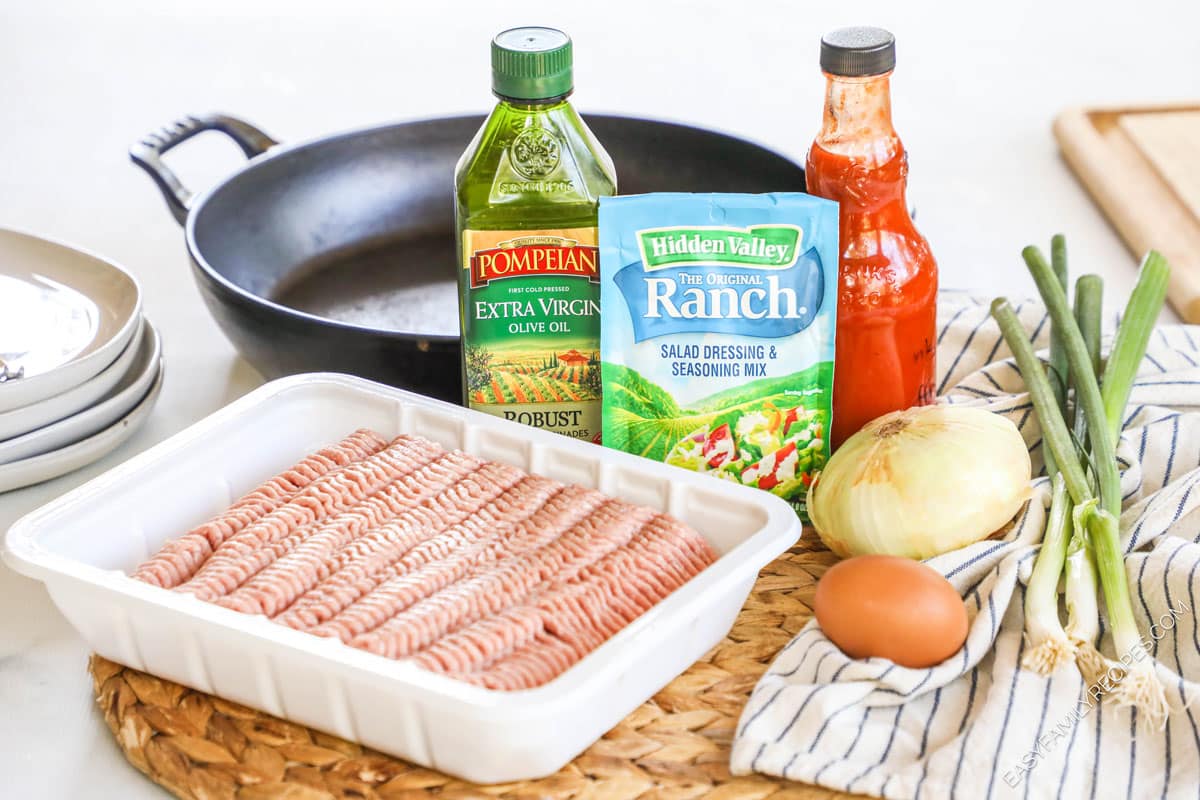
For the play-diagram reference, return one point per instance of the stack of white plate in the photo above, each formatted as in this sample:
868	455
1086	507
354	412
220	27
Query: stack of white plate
80	367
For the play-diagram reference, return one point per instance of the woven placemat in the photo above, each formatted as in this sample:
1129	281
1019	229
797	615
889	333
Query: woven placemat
673	747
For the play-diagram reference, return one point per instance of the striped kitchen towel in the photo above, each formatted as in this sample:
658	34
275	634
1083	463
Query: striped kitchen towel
976	726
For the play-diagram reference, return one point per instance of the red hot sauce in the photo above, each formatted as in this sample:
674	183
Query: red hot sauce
887	294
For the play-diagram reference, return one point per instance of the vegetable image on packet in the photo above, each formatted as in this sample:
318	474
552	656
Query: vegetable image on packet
717	333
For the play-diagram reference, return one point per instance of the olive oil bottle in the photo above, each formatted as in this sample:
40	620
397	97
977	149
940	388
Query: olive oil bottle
527	192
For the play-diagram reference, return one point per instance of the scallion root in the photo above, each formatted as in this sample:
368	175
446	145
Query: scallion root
1049	654
1097	671
1141	688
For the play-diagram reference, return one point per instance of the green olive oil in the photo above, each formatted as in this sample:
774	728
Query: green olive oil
527	194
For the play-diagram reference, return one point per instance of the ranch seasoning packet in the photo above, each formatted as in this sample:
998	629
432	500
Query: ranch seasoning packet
717	333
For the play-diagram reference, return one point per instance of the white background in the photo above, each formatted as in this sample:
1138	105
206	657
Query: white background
976	88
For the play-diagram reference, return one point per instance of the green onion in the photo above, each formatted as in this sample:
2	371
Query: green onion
1087	390
1089	297
1050	646
1129	346
1089	301
1054	428
1095	518
1140	685
1083	611
1056	440
1058	357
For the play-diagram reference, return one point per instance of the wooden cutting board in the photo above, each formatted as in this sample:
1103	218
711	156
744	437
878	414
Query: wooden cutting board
1142	166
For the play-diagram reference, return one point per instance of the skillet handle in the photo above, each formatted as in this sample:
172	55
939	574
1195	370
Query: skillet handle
148	152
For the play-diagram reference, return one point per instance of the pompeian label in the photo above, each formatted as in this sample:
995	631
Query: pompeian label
752	281
531	327
540	255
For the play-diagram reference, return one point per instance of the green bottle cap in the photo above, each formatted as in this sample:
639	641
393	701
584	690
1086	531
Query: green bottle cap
531	64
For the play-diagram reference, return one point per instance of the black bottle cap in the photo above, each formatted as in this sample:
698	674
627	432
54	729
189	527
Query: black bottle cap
858	52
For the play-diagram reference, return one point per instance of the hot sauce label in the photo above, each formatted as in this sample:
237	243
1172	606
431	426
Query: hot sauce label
531	327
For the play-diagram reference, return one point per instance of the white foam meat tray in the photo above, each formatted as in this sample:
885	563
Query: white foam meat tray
83	544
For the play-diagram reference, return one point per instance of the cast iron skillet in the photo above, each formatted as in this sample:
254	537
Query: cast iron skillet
337	254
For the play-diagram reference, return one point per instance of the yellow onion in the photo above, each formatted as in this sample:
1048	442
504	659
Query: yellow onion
921	482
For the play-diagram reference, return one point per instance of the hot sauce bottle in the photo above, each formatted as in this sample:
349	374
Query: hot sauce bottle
887	293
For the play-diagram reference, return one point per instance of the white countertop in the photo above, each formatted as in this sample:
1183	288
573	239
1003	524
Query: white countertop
974	94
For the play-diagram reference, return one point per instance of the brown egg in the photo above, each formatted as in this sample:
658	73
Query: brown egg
891	607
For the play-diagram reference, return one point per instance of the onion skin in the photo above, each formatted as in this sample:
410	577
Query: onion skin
893	608
921	482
